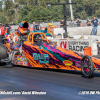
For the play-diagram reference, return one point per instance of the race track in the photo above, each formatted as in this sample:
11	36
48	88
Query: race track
58	85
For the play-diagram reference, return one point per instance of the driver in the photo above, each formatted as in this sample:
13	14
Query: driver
37	39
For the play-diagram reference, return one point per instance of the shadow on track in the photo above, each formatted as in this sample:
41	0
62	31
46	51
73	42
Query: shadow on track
53	70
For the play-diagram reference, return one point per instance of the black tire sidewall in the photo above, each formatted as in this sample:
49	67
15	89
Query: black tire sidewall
92	67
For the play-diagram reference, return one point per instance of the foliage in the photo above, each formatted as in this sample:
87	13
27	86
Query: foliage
0	5
37	10
2	19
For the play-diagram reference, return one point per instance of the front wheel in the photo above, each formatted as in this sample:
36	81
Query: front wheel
87	67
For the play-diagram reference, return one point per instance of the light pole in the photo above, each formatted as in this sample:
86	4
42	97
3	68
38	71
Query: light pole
65	14
71	10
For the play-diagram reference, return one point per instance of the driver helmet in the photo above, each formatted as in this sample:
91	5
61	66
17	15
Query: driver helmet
24	24
37	37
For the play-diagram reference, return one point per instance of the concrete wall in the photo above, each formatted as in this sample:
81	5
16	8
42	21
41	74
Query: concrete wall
77	30
71	30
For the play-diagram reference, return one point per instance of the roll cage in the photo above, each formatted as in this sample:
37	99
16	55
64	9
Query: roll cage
30	38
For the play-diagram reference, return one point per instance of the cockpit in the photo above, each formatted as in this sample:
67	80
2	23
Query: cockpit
37	39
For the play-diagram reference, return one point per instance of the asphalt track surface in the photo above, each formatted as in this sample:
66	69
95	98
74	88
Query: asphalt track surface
58	85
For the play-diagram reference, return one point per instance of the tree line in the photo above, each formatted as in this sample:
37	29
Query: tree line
38	11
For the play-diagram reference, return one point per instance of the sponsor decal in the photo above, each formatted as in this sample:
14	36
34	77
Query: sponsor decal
21	58
67	62
18	58
74	45
55	43
25	63
63	44
20	63
42	58
78	45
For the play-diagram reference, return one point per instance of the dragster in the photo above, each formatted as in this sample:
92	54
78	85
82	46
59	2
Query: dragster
35	50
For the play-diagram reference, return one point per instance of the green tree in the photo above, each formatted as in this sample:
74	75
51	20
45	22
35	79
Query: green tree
23	15
2	19
8	11
8	4
0	4
37	10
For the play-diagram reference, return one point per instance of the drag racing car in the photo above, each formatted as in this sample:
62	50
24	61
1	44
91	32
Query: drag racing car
37	51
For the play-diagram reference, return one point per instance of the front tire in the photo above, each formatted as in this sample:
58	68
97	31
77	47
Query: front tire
87	67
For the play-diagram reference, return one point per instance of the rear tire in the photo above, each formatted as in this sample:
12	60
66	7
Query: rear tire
3	53
87	67
2	63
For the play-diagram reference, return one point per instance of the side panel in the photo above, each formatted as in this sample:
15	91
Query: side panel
49	56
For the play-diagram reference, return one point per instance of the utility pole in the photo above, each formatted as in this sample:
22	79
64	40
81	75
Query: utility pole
65	21
65	14
71	10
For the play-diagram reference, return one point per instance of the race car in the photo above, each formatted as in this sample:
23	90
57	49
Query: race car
37	51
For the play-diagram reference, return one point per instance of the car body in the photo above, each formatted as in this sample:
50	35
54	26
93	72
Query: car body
46	55
35	50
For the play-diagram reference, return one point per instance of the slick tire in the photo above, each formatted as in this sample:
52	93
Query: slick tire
3	53
89	66
2	63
